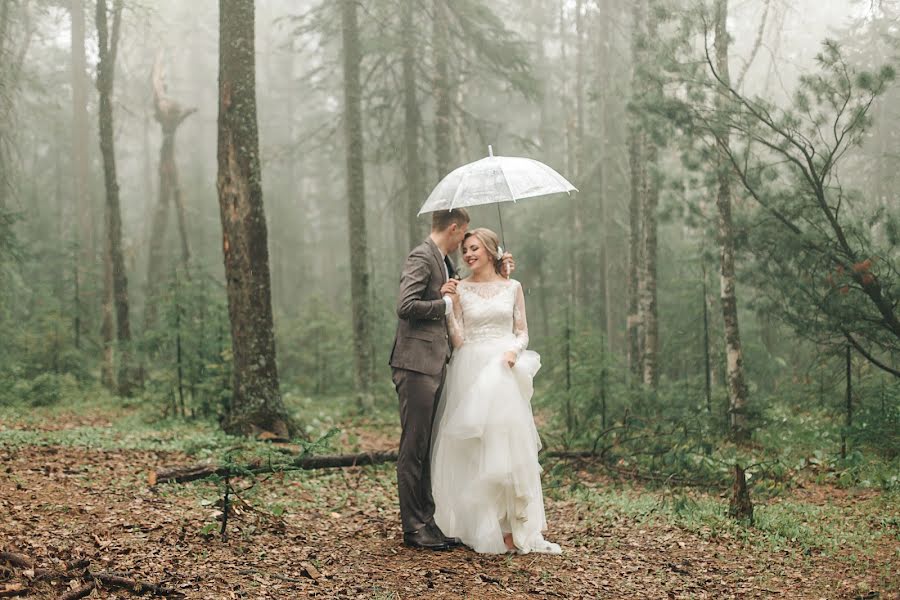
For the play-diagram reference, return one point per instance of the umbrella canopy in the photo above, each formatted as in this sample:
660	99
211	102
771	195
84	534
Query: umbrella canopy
495	179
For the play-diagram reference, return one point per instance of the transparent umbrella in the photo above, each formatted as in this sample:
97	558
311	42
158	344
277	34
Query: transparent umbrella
493	180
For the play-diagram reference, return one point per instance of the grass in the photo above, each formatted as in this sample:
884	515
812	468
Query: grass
849	531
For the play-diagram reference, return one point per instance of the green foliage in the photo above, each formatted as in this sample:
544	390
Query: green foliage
313	353
187	355
46	389
816	260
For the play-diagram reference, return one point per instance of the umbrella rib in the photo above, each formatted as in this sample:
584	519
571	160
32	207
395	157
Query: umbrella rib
508	186
459	188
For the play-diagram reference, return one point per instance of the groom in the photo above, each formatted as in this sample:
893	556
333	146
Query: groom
419	364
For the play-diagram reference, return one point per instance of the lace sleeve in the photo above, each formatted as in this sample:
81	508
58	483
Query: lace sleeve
520	323
455	324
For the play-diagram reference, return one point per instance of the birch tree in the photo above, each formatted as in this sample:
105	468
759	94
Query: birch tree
737	388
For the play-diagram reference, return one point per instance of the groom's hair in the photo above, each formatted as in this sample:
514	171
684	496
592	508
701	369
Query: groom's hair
442	219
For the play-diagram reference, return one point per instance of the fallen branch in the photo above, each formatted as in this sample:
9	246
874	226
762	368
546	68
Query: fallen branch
17	560
192	473
110	579
134	585
79	592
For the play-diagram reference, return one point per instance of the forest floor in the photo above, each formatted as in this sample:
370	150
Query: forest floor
74	485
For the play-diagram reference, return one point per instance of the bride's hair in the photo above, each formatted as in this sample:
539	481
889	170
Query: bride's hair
491	244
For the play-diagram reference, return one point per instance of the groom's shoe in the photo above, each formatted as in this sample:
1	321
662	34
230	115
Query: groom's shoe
452	542
424	538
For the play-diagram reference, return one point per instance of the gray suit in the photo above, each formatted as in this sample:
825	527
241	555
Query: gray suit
418	364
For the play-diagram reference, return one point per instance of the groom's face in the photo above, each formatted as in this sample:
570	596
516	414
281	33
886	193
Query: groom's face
457	234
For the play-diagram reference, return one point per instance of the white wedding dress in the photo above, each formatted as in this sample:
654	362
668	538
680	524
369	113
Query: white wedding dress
484	466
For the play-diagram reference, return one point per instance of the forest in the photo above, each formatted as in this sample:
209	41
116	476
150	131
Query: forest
205	208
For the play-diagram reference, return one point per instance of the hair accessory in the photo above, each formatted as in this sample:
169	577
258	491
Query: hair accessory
499	252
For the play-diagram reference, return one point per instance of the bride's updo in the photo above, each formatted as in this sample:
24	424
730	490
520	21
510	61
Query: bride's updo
490	242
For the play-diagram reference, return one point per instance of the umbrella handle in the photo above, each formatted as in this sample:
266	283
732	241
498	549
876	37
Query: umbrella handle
502	237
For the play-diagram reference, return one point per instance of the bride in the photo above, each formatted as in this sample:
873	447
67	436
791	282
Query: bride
485	472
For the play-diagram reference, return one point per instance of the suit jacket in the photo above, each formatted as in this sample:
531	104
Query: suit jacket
422	342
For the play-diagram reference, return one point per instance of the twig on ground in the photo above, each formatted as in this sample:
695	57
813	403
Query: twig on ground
79	592
110	579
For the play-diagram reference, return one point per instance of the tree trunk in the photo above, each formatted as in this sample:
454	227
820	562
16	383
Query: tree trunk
649	200
256	402
107	327
707	374
356	206
605	197
737	389
108	46
412	123
169	114
647	288
740	507
636	176
848	379
545	127
578	213
82	203
441	88
5	104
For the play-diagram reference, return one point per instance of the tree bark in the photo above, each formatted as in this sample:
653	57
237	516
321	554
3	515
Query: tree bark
739	506
81	159
356	200
256	402
649	200
848	397
169	114
737	388
605	197
578	213
412	123
636	176
648	308
108	46
441	88
5	104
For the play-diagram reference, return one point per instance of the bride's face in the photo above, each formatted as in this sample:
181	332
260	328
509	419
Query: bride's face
475	255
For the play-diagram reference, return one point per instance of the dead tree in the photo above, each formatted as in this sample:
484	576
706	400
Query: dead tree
169	114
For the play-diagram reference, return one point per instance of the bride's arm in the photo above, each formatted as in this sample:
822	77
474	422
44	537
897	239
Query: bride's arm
520	323
455	323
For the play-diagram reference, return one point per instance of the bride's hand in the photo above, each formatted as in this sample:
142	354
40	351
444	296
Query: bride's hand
510	359
509	265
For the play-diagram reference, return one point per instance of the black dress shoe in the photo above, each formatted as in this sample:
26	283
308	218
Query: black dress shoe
452	542
424	538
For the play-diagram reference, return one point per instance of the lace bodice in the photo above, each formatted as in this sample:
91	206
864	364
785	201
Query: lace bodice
490	310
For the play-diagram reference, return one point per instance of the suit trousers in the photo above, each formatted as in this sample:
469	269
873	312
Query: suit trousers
419	394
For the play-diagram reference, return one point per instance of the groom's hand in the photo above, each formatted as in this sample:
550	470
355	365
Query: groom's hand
509	264
449	288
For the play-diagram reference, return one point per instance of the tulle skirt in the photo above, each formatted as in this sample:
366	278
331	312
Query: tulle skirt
484	467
